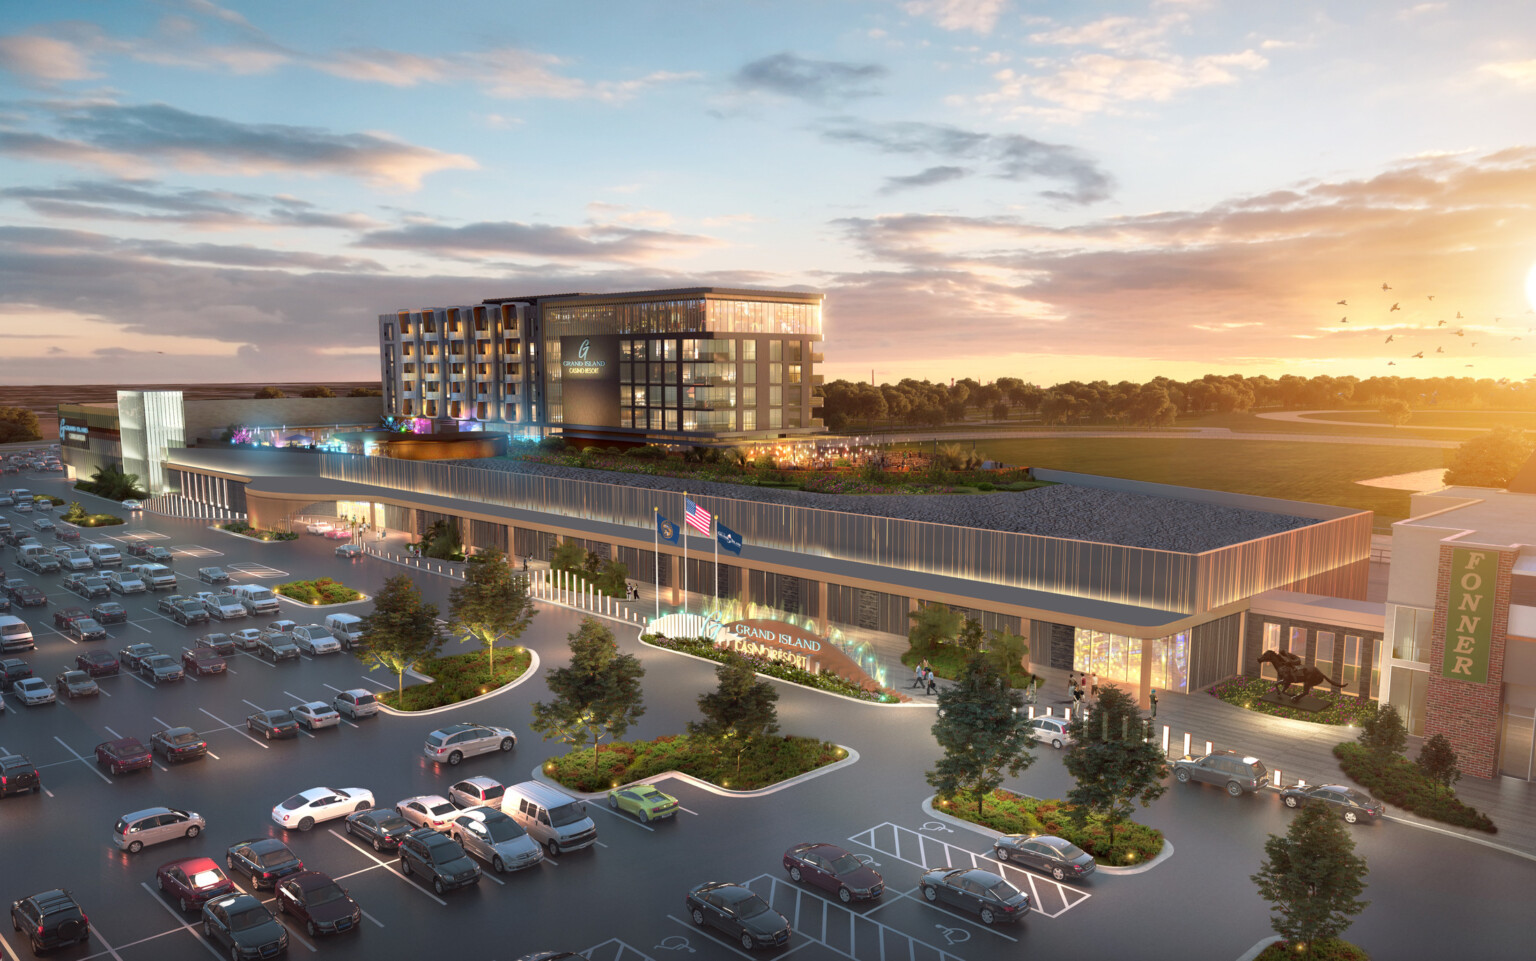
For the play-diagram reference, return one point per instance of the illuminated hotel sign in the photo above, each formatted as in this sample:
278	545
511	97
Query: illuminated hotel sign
784	642
75	435
589	375
1469	615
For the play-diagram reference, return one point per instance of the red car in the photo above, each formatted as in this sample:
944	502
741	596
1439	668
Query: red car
64	617
323	905
124	754
833	869
202	660
97	663
193	881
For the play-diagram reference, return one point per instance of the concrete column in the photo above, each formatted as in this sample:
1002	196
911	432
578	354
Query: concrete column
1145	698
821	608
675	575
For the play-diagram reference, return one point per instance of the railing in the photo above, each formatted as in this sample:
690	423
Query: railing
175	505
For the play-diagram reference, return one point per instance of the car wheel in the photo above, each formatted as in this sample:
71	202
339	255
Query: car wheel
115	768
182	903
930	893
698	918
1292	801
1182	774
255	885
207	930
746	941
437	885
499	865
1058	873
310	927
405	867
15	923
160	882
306	823
134	847
193	831
455	758
1002	853
268	732
553	847
229	862
37	946
378	845
1351	817
794	874
234	953
363	806
844	895
613	802
1234	789
645	816
1056	743
987	917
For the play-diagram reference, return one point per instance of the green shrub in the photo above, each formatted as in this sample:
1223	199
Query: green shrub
948	662
323	590
96	520
1400	782
1017	814
986	486
1340	709
246	530
773	760
825	681
553	445
1331	950
458	677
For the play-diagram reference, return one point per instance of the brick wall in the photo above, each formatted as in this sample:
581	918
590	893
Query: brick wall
1253	646
1466	713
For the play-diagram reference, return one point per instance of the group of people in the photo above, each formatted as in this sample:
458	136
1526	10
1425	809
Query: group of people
1083	688
924	678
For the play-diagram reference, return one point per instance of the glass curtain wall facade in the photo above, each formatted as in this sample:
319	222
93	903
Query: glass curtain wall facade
150	421
1115	657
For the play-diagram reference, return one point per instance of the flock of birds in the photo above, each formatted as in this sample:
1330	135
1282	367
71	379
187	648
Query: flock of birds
1458	332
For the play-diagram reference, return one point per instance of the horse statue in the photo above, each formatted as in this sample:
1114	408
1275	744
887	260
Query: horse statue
1290	670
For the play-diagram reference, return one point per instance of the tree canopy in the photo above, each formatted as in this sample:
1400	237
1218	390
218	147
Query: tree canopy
1312	878
740	713
1113	762
18	424
597	695
1491	460
492	603
402	630
984	732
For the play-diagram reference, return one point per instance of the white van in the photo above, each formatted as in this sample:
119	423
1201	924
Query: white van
15	634
255	598
104	555
155	576
552	817
348	628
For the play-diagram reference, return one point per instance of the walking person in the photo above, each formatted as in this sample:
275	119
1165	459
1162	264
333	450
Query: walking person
1094	689
933	687
1154	703
1077	698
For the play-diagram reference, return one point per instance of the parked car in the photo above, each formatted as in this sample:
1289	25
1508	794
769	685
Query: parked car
555	819
138	830
242	924
18	775
477	792
438	858
224	607
381	828
87	629
276	646
273	724
257	599
202	660
221	644
1238	774
979	892
347	628
356	703
15	634
52	919
350	551
33	691
169	602
307	808
644	801
87	585
134	654
189	613
64	616
264	860
178	744
73	684
159	668
124	754
495	838
458	741
109	612
72	558
833	869
192	882
320	527
156	576
314	715
323	905
97	663
738	912
313	639
38	560
24	594
1349	803
1058	857
13	669
125	582
138	548
67	535
212	575
1051	730
246	638
44	524
427	811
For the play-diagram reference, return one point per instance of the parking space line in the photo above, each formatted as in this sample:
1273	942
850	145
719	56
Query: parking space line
712	938
111	732
185	926
372	918
104	943
882	933
372	681
265	747
136	677
82	761
623	817
386	866
681	808
140	627
9	951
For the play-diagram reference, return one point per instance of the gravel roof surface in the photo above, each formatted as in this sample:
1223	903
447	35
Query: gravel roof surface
1061	510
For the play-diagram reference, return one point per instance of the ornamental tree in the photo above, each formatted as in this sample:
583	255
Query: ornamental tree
933	624
741	712
491	604
1312	879
597	695
1384	735
402	630
1437	759
984	735
1113	761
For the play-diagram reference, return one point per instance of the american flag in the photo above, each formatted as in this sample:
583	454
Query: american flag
695	516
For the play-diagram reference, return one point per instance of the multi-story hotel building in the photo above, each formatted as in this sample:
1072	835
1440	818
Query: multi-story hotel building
684	365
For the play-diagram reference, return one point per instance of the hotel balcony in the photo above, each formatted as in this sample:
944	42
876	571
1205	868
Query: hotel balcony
818	358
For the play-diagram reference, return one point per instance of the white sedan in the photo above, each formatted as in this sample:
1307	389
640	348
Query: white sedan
305	809
33	690
246	637
315	715
320	527
428	811
133	505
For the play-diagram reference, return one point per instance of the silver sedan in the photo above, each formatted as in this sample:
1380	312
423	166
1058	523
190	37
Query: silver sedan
495	838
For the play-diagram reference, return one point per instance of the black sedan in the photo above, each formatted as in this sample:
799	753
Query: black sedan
831	868
323	905
25	594
109	612
13	669
178	744
135	654
73	684
982	893
1058	857
188	613
272	724
264	860
739	912
221	644
97	663
1351	805
87	629
382	828
243	924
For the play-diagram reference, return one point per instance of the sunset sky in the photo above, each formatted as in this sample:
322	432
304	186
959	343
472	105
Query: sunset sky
1047	190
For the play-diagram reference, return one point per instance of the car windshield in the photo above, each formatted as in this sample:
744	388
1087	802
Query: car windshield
503	829
244	918
391	823
845	864
186	737
271	859
1002	890
202	879
751	907
567	814
326	894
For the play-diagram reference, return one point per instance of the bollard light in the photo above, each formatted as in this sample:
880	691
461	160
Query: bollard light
1208	747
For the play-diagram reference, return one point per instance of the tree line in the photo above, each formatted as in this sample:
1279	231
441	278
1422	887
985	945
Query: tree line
1157	403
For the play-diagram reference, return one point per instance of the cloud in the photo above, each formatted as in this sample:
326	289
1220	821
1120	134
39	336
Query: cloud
1093	82
43	60
128	138
145	201
978	16
924	178
787	75
394	68
53	240
1012	156
602	212
597	243
1520	72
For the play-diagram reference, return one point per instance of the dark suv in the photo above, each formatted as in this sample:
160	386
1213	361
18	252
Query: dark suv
1238	774
18	775
439	857
51	919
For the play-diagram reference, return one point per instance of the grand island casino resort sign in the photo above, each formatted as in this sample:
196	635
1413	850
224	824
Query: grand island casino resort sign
782	641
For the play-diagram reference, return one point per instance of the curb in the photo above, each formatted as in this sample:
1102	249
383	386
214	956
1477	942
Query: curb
1165	854
319	607
533	666
1258	949
249	540
689	779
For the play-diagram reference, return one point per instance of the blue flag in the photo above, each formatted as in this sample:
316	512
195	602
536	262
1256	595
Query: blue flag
728	539
666	530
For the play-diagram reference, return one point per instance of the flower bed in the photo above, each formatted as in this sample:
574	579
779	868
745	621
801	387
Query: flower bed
1330	950
459	677
1017	814
774	760
93	520
1397	780
323	590
948	662
1245	692
246	530
825	681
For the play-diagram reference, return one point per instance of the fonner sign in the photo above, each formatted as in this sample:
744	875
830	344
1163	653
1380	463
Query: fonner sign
1469	615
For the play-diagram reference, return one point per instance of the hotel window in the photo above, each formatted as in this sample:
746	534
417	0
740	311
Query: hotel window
429	408
749	373
479	321
408	368
656	349
453	326
775	373
455	410
1271	643
1298	643
405	328
482	370
482	347
407	350
656	422
457	347
775	418
775	351
1349	667
389	331
428	325
511	370
671	420
431	350
480	389
749	419
1410	641
510	348
1322	658
457	369
509	412
749	349
749	396
405	407
791	373
775	396
431	370
1375	668
480	411
669	396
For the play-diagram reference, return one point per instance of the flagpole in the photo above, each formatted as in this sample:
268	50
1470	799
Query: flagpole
684	533
714	525
656	547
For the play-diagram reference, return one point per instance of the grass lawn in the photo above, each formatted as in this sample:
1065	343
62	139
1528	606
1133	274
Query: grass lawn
774	760
459	677
1294	470
1472	420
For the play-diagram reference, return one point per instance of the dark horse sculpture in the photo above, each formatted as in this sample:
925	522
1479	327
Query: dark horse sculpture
1290	670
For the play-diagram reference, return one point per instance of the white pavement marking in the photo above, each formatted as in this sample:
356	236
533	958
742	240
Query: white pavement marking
179	919
681	808
386	866
111	732
712	940
136	677
372	918
623	817
82	761
372	681
238	730
9	951
621	954
836	920
104	943
140	627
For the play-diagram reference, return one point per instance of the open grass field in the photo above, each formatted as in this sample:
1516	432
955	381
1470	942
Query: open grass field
1465	419
1294	470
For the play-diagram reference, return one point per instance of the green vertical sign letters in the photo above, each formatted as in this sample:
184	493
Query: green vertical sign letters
1469	615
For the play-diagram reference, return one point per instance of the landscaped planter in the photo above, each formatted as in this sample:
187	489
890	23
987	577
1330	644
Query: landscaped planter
458	680
776	759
